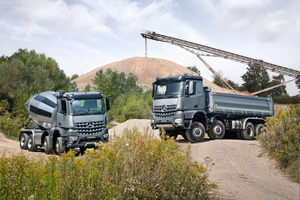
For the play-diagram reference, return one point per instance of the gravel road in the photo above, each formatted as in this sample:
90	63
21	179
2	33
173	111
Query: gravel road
238	167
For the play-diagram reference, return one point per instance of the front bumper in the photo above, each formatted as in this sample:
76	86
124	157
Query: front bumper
168	123
74	139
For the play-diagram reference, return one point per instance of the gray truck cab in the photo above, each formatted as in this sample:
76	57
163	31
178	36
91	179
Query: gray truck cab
175	99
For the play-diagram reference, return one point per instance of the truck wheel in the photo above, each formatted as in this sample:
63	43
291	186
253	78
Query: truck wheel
238	135
196	133
59	149
248	132
47	146
216	130
24	141
31	145
260	130
168	134
173	134
82	150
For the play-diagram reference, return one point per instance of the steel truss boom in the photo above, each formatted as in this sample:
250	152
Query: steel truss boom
220	53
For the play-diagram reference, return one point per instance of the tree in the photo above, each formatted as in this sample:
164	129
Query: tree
279	91
25	73
112	84
255	79
218	82
74	76
87	88
194	69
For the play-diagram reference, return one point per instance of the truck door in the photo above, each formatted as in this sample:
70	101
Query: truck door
193	98
62	116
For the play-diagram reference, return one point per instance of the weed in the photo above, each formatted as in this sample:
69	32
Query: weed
133	166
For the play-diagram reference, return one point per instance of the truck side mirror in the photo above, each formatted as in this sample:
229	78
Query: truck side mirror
153	88
191	87
107	104
186	89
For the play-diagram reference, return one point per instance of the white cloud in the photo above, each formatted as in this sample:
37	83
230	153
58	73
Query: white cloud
58	14
236	8
273	26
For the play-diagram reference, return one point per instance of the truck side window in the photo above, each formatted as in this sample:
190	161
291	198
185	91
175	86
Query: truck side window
192	88
63	106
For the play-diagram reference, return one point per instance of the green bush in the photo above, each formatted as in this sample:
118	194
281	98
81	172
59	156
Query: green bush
132	105
282	140
10	125
133	166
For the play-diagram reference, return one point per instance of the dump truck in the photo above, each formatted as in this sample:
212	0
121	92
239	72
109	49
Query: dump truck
62	121
182	106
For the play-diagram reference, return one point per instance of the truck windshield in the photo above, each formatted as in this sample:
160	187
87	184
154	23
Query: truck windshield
87	106
168	90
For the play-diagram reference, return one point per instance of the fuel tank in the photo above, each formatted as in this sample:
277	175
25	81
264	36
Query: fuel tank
42	109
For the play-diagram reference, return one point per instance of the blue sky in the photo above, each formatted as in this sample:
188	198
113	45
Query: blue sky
84	34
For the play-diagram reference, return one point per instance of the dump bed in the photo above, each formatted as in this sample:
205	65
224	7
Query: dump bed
239	105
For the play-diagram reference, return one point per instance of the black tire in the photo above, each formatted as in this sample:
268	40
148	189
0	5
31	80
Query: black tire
184	135
196	133
248	132
216	130
238	135
259	130
31	144
82	150
59	148
47	147
24	141
168	134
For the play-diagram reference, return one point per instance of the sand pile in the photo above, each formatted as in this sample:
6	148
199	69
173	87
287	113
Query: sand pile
146	69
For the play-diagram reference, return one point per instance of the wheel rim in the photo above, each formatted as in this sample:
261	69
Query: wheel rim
217	130
249	131
22	140
29	143
197	132
45	144
57	146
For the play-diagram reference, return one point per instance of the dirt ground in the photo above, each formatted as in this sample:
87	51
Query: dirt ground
238	167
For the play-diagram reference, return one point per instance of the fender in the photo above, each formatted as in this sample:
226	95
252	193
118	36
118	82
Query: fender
196	115
245	120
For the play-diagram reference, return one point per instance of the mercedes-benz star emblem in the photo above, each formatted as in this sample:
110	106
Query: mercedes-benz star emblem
164	108
90	124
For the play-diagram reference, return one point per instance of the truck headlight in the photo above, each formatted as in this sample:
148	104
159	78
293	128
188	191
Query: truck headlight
73	139
105	135
178	120
152	121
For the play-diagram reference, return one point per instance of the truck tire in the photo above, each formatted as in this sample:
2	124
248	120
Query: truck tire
82	150
259	130
31	145
24	141
248	132
59	149
196	133
47	147
168	134
216	130
238	135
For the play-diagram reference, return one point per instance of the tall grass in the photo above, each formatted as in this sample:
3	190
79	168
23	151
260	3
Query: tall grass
133	166
282	140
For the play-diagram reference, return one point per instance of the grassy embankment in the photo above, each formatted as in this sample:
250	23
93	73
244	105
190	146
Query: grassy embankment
282	140
133	166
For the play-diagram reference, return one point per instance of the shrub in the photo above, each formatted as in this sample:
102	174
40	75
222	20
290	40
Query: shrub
133	166
282	140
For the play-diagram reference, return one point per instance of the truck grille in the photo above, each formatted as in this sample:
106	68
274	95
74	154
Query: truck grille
89	127
165	111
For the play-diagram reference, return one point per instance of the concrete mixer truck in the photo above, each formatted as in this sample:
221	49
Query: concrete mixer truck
62	121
